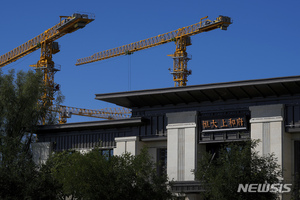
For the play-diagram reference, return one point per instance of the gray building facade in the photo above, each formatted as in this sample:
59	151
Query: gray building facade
179	124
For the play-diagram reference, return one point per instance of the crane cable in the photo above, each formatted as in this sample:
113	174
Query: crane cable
129	73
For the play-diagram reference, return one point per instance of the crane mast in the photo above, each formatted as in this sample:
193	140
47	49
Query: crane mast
45	42
180	59
181	37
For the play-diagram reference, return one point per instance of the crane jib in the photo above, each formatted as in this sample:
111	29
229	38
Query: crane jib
75	22
203	26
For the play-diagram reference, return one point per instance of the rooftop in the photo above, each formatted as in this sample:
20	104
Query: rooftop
247	89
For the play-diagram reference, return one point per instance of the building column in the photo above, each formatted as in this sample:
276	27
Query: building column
130	145
181	145
267	125
41	152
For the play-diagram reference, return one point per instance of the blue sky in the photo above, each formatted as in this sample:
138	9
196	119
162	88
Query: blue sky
262	42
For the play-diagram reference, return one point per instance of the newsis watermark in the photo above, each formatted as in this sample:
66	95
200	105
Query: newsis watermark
265	187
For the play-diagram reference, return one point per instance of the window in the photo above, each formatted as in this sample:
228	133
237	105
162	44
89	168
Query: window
107	152
162	161
215	148
297	170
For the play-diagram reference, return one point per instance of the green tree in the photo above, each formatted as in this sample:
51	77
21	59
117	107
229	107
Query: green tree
237	163
97	176
20	112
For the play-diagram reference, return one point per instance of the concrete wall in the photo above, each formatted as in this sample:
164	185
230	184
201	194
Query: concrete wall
153	147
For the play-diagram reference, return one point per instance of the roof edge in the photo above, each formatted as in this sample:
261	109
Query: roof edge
201	86
135	121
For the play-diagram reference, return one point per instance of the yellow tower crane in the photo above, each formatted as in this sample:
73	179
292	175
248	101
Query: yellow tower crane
106	113
181	37
45	42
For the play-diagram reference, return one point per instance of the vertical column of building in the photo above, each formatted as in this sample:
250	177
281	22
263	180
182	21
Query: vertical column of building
130	145
181	145
267	125
41	152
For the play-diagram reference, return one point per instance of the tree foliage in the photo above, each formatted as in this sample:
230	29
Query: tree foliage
66	174
20	112
97	176
237	163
